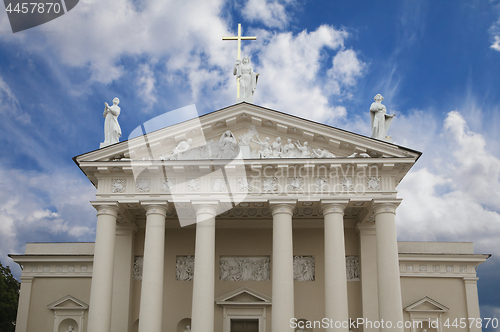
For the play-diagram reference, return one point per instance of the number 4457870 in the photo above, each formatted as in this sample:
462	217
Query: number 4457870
34	7
477	322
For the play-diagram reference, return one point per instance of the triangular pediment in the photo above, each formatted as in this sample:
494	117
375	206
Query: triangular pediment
426	305
68	302
246	122
243	296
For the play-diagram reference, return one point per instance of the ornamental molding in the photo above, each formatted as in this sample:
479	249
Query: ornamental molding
352	268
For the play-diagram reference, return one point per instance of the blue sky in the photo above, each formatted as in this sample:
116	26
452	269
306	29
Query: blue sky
437	63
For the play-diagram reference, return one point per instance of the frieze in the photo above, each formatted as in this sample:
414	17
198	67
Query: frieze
352	268
303	268
245	268
119	185
184	268
137	269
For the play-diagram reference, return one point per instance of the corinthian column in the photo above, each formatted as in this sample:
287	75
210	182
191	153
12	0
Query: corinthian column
202	316
389	284
282	274
336	307
151	306
101	291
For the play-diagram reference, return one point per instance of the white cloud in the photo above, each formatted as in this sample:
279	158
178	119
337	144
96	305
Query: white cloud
271	13
294	70
346	69
454	197
9	103
43	207
146	82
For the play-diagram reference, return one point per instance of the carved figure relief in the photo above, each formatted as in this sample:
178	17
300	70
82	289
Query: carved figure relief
295	184
167	186
321	184
193	184
245	268
138	264
352	267
373	183
184	268
347	183
219	184
243	185
143	185
269	184
119	185
303	268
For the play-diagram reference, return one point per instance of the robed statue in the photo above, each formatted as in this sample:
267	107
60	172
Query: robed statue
247	79
380	120
112	130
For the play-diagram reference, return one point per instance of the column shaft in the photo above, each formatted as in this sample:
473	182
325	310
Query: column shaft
368	267
472	302
282	274
151	306
389	283
202	317
102	275
24	304
336	303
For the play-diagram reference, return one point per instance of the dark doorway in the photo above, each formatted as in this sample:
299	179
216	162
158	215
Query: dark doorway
244	325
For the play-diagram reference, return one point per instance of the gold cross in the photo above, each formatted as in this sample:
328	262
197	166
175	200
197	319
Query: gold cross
239	38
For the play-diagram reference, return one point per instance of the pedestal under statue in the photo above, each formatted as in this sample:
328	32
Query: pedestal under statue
112	130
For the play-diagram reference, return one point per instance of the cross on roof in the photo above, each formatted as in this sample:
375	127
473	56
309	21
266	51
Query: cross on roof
239	38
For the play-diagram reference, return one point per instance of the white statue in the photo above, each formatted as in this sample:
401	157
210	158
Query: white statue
323	153
380	120
187	329
70	329
277	148
289	150
228	145
248	79
112	130
265	150
304	149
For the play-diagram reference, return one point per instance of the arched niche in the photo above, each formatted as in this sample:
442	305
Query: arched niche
65	324
183	323
303	323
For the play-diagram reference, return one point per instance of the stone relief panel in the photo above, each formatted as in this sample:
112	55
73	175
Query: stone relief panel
138	263
303	268
243	185
218	184
118	185
193	185
143	185
295	184
347	183
184	268
352	267
373	183
245	268
321	184
269	184
167	185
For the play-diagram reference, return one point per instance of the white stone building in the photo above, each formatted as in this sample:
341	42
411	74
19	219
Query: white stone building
275	235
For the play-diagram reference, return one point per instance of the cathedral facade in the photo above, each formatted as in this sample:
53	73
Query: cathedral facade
247	220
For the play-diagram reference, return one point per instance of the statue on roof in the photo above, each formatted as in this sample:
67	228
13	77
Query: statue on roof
247	79
112	130
380	120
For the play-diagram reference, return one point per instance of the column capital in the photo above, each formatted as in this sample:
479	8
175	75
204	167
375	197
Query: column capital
206	207
108	207
284	206
155	207
333	206
385	205
471	280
